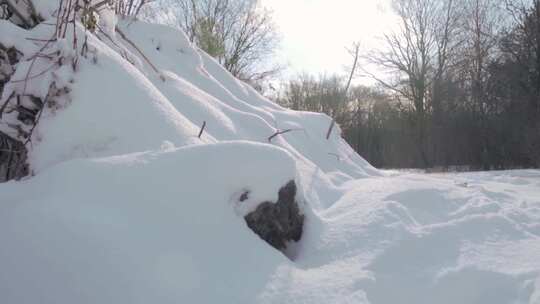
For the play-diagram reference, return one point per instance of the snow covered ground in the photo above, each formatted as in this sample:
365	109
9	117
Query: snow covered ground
414	238
140	229
128	205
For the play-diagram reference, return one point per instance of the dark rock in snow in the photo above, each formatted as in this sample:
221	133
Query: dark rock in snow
13	159
280	222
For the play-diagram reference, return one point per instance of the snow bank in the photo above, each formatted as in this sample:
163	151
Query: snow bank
150	227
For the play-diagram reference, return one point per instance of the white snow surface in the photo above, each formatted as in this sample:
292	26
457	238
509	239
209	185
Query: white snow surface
128	205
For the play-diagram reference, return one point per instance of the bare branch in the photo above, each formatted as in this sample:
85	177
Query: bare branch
202	129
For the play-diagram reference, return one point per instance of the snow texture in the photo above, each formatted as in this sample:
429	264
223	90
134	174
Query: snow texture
129	205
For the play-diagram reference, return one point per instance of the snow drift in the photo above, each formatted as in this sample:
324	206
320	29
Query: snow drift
129	205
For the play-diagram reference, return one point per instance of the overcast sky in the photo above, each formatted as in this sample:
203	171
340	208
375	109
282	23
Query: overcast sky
316	32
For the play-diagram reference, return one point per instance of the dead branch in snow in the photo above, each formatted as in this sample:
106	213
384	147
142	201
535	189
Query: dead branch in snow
140	52
330	129
202	129
280	132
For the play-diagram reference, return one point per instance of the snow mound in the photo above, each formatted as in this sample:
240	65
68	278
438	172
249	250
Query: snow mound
159	223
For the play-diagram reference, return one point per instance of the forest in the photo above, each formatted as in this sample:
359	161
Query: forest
461	89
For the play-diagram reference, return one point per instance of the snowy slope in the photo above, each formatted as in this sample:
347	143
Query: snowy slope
128	205
136	110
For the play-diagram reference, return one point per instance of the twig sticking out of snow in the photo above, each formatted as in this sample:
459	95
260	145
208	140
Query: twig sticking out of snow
121	50
40	40
140	52
330	129
280	132
202	129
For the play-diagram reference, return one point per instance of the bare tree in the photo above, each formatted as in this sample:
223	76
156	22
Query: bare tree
480	27
447	41
464	92
240	34
417	54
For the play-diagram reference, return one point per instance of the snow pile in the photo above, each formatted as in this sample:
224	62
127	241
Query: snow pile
130	205
150	227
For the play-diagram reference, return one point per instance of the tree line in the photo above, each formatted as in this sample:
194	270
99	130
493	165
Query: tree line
461	88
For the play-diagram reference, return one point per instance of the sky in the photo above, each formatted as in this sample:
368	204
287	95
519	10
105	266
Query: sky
315	33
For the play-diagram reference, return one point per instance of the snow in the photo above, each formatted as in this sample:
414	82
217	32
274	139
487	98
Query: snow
128	115
160	226
128	205
46	8
11	35
150	227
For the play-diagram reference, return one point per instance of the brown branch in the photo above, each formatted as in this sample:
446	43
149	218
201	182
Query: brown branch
58	13
41	40
355	52
138	50
280	132
202	129
108	37
330	129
